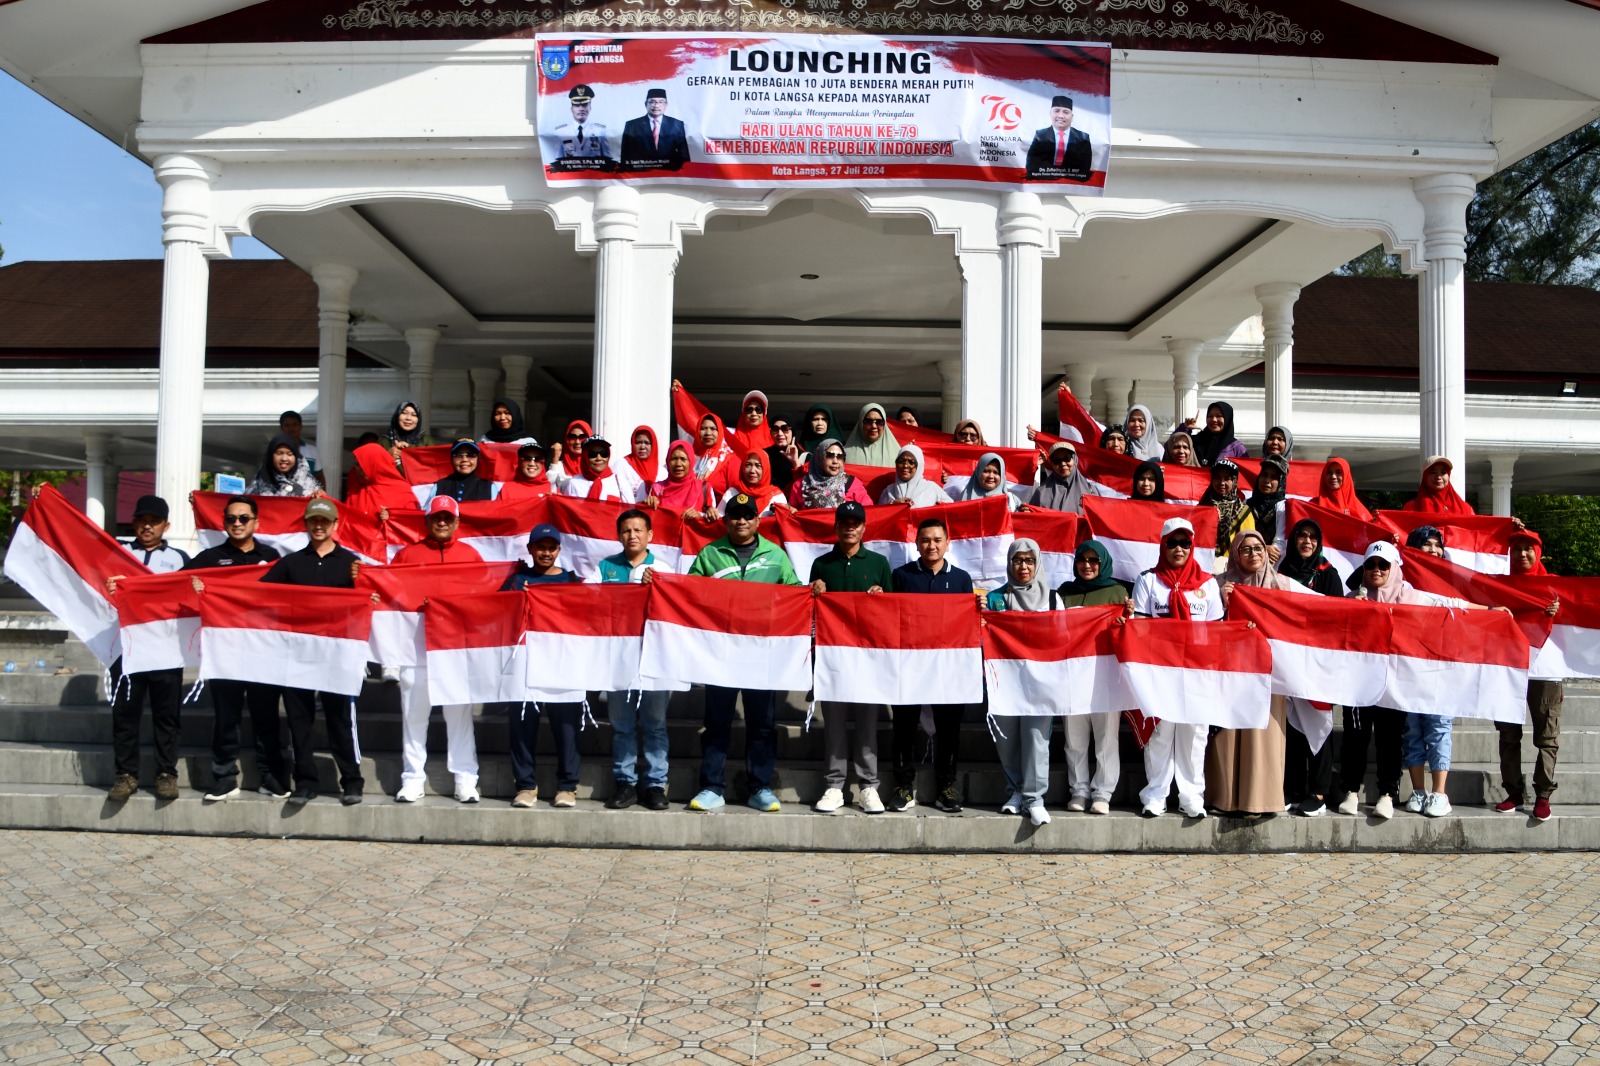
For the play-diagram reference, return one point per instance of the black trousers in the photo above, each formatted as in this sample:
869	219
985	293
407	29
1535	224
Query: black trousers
300	708
1367	725
1306	776
164	690
946	743
231	698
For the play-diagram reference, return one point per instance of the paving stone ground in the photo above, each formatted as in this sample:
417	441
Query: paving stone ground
117	948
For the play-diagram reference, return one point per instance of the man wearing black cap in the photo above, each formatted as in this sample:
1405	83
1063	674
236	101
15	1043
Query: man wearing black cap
1058	151
163	687
654	141
463	484
585	145
849	567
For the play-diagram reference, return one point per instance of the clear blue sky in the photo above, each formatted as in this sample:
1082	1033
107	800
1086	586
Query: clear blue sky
78	196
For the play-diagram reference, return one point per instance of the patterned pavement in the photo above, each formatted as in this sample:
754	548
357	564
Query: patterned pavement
118	948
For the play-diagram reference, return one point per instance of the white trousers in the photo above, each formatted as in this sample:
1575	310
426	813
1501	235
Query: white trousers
462	757
1175	751
1107	757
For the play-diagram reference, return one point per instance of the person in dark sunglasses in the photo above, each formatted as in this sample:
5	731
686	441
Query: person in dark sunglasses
597	481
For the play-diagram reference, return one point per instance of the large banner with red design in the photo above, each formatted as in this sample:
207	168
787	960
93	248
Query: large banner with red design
823	110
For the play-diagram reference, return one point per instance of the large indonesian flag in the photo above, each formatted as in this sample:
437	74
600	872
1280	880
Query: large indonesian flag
1525	600
584	638
475	648
1201	673
1053	662
397	621
160	615
289	635
898	649
1324	648
1573	649
1470	664
980	532
1344	539
1058	534
62	559
705	631
1478	542
281	525
1131	532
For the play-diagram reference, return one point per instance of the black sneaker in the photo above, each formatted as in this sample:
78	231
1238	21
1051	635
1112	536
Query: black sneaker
302	795
948	800
351	797
624	797
901	799
655	798
271	786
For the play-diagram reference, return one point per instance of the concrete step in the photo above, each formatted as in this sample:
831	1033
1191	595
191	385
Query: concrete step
437	820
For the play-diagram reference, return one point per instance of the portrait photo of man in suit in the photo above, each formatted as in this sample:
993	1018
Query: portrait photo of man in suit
1058	151
585	145
654	141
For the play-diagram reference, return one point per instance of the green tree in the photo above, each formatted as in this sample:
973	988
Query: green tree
1569	526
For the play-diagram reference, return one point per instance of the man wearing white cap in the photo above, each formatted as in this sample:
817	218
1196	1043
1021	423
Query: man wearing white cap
1176	587
440	546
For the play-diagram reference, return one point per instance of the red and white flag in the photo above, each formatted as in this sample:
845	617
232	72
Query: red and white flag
584	638
952	465
695	533
1573	649
476	651
1344	539
1324	648
980	532
289	635
1525	600
898	649
428	464
1201	673
160	615
396	637
62	559
1468	664
1053	662
1131	532
1058	534
706	631
281	525
1480	542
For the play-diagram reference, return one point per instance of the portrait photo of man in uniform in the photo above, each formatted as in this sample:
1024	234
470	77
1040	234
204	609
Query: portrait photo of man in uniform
1058	151
585	145
654	141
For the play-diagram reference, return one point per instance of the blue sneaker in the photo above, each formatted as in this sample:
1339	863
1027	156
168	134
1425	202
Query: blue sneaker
763	800
706	800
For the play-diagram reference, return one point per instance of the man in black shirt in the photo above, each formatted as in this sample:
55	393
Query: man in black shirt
322	564
229	698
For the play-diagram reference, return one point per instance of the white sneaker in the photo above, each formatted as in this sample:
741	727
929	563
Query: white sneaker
1012	805
869	801
1351	804
1438	805
1384	808
1154	810
831	801
1192	812
467	791
1306	810
1038	815
1417	801
389	674
1099	807
1078	804
410	792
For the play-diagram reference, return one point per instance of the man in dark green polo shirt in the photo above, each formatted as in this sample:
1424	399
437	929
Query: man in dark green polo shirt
849	567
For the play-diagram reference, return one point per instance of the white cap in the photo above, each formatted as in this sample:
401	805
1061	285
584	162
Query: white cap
1172	525
755	394
1434	460
1382	549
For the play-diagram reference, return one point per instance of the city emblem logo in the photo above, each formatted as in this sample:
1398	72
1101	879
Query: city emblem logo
555	60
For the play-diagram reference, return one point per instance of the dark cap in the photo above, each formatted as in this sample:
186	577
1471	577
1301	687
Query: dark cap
1061	101
580	94
542	531
527	451
594	444
849	511
154	506
1227	465
465	444
741	506
1277	462
656	94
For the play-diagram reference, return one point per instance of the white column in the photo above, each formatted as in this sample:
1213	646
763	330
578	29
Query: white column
633	317
334	282
1113	398
1080	379
516	369
185	280
949	393
1156	395
1442	314
1022	241
1185	354
980	339
96	448
485	383
1277	323
1500	471
422	343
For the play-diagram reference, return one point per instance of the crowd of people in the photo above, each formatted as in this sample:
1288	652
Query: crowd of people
768	462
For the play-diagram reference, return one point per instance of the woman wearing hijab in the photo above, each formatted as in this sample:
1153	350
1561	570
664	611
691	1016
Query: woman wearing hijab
642	458
817	427
1149	482
1180	449
532	480
1217	440
1023	742
1436	495
988	479
598	480
755	481
967	432
1093	584
505	424
1244	767
1338	491
909	486
750	430
711	449
1266	502
463	484
1545	697
405	431
680	491
1279	442
1140	427
871	443
825	483
570	453
1063	486
1308	774
283	472
1114	439
1233	513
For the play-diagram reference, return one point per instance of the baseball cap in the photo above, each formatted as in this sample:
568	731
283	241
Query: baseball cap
465	444
1173	525
528	451
154	506
741	506
849	511
322	507
444	505
1062	446
1433	460
1382	549
543	531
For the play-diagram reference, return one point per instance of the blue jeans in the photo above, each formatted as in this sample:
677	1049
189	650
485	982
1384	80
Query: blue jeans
1427	741
760	736
565	720
634	713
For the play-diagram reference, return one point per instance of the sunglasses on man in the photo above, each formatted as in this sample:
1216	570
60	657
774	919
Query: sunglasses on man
238	519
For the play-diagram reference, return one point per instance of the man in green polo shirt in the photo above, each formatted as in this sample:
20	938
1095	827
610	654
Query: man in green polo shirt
849	567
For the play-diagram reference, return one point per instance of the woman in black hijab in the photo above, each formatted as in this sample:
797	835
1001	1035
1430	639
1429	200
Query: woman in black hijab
1150	482
505	424
1217	440
1272	483
1308	775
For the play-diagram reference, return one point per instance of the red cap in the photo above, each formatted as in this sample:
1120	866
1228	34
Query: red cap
444	505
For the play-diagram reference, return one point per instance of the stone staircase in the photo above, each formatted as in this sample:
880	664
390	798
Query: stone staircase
56	762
